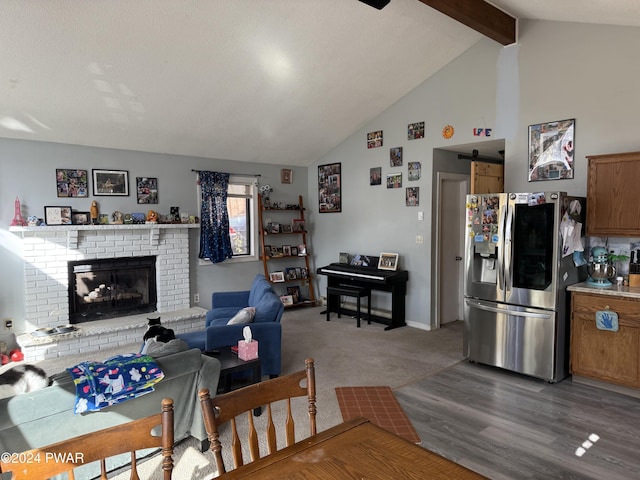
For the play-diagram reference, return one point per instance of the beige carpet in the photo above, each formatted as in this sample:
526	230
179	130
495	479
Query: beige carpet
344	356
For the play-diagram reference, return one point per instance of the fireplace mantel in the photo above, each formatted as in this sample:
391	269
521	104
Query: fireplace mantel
132	226
73	231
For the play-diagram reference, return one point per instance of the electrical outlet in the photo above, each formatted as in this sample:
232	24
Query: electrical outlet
419	239
196	298
8	323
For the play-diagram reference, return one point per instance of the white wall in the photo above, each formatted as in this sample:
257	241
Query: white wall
556	71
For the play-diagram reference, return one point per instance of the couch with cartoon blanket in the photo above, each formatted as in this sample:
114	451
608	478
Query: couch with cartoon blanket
37	419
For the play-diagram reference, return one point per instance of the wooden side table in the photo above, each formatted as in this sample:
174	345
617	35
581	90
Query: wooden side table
230	364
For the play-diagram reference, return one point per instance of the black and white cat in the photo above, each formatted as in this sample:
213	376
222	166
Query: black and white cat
22	379
158	331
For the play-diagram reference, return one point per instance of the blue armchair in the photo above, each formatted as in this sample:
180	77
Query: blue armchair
265	328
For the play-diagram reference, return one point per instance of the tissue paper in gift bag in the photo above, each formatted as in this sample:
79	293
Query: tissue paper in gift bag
247	350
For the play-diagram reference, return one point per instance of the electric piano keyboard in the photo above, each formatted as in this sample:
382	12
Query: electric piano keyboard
394	281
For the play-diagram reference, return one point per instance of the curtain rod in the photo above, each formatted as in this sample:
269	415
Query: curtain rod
234	174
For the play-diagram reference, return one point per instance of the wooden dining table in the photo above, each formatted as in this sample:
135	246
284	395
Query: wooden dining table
356	449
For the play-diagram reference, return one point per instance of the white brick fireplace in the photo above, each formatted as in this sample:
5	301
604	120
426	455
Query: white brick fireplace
46	252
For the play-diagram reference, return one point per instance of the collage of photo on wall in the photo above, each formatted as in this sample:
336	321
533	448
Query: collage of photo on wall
394	179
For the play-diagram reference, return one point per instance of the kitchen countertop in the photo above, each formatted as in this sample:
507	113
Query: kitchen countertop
614	290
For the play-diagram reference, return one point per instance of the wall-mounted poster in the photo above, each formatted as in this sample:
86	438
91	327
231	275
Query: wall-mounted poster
72	182
415	131
374	139
551	148
395	157
329	188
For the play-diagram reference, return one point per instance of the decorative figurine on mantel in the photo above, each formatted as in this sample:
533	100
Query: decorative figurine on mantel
94	213
117	218
152	216
18	221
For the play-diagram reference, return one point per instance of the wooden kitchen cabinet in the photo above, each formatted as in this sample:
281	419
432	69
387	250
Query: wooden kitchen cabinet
608	356
613	188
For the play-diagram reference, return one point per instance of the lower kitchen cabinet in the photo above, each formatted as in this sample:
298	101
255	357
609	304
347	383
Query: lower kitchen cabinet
609	356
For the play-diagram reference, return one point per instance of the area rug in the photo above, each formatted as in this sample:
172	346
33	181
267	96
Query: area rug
379	405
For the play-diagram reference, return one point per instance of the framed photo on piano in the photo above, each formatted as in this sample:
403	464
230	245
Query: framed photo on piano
388	261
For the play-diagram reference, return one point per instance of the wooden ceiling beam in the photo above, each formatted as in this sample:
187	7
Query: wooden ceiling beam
480	16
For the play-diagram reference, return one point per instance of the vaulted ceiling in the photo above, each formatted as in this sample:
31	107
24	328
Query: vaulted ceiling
273	81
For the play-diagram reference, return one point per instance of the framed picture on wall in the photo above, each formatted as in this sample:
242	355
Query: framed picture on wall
110	182
374	139
551	149
412	196
375	176
286	175
415	131
72	182
395	157
147	189
394	180
329	188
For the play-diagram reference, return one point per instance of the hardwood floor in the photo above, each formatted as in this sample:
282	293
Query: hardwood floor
508	426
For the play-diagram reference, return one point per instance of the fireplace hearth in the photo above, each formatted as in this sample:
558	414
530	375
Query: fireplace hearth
112	287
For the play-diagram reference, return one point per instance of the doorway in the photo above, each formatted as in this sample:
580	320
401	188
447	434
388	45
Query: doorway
452	189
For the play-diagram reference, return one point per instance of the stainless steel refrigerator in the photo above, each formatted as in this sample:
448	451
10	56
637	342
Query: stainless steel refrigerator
519	259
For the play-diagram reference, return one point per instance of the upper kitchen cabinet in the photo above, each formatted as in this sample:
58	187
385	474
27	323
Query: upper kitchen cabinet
613	195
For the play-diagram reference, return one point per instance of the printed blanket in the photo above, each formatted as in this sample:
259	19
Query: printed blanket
117	379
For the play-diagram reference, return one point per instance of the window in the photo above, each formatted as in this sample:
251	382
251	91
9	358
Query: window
239	200
242	208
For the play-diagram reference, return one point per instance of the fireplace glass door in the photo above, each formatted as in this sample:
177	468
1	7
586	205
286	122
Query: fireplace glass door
107	288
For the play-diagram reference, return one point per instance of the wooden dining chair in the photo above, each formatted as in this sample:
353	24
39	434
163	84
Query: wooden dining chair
228	406
65	456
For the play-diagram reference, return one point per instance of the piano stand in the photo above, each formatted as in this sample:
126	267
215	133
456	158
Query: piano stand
351	276
348	291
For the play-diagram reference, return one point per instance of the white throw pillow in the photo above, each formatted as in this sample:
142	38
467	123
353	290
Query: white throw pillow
243	316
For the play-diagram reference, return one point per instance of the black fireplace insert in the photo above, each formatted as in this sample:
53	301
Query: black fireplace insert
108	288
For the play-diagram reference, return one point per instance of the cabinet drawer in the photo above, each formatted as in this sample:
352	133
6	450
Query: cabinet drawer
628	309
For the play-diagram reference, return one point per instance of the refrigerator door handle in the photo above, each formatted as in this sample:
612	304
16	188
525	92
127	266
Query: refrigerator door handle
506	311
508	254
501	255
